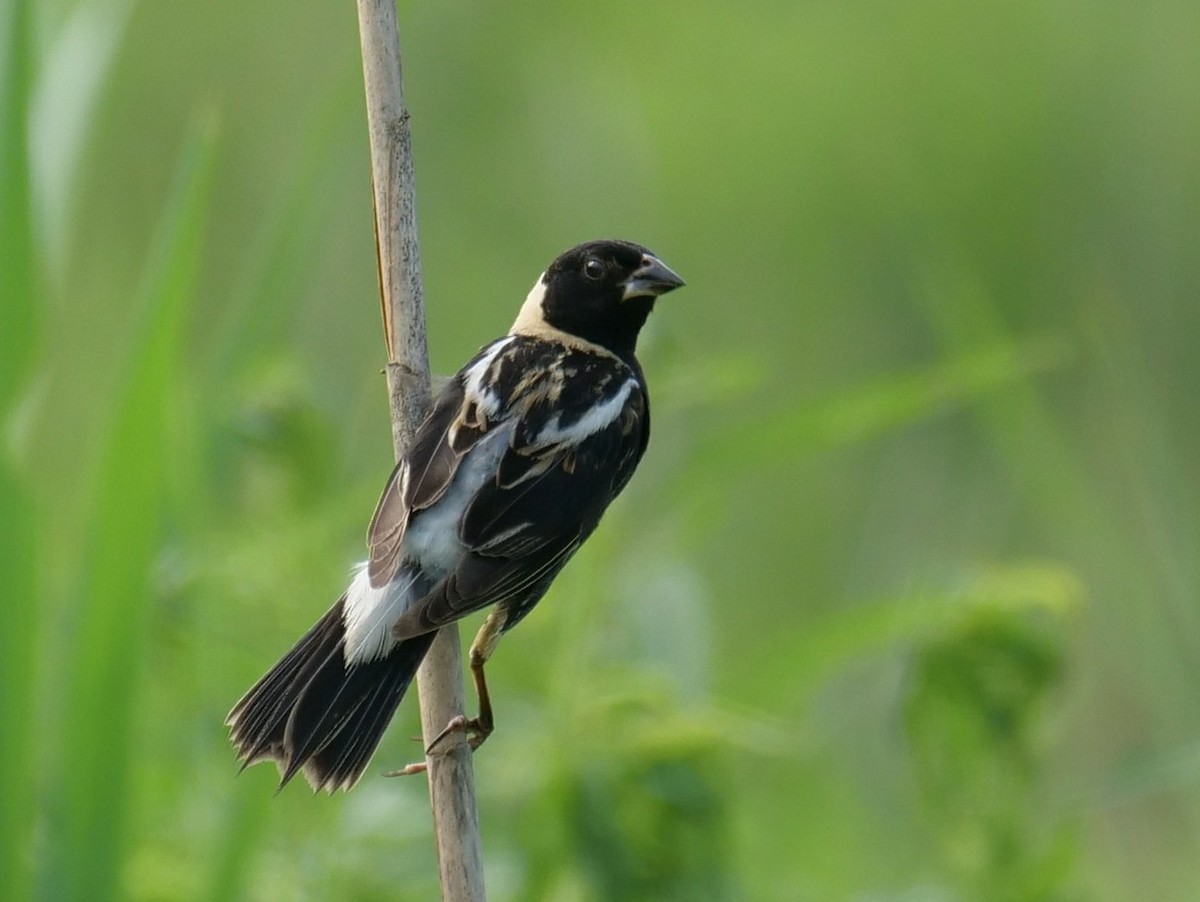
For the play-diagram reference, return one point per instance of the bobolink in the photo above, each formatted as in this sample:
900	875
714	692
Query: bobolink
519	457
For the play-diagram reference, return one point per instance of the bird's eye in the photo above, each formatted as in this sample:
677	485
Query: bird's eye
594	268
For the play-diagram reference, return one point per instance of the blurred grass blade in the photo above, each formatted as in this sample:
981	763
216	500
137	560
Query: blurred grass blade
880	406
1021	425
18	542
748	445
112	603
18	550
73	73
280	259
830	643
246	819
17	258
709	382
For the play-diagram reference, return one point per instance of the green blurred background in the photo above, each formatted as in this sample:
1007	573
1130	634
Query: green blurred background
903	602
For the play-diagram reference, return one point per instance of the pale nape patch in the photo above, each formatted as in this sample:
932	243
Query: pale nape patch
531	318
531	323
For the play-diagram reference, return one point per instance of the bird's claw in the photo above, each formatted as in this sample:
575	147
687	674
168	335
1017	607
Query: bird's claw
476	731
417	767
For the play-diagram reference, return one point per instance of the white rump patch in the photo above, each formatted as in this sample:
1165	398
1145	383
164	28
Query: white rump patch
370	613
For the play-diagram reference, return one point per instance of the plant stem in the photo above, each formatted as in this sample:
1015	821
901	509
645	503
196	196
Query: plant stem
439	681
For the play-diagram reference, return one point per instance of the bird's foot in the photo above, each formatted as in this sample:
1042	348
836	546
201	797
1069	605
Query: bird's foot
476	729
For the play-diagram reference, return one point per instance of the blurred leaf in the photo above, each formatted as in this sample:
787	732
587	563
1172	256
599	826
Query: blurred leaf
889	403
284	448
829	643
651	828
93	794
621	792
1020	424
746	446
275	269
18	256
74	72
708	382
19	523
973	713
19	519
238	840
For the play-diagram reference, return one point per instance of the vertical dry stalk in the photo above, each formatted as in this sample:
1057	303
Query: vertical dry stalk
439	681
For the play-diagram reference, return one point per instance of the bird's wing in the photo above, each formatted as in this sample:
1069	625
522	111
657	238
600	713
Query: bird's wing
546	498
450	430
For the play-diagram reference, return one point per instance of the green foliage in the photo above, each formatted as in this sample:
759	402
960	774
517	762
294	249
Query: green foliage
972	714
111	603
902	602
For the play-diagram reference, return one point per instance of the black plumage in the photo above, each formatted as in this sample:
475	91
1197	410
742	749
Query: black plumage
521	454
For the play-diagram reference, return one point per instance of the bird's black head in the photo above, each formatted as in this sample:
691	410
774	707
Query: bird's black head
601	291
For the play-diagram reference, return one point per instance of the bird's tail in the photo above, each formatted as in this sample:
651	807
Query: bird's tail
315	714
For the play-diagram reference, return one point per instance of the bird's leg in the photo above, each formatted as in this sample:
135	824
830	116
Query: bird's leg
476	728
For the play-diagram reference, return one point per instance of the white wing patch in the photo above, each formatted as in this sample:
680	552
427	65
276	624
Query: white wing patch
600	416
487	401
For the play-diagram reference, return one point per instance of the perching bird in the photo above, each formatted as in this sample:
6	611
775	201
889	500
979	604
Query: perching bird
521	454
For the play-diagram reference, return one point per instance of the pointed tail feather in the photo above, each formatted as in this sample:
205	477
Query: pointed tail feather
312	713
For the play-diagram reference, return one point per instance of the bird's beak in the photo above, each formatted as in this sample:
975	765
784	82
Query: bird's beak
650	279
